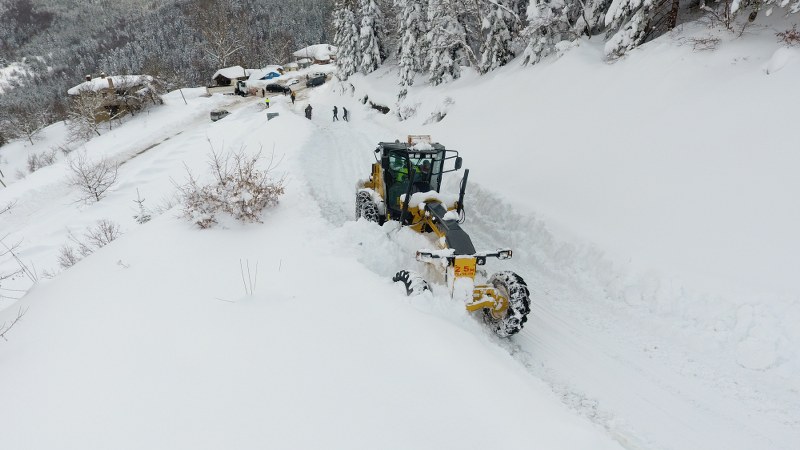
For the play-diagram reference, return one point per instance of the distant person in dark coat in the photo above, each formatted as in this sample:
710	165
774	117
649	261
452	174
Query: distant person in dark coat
344	116
335	114
308	111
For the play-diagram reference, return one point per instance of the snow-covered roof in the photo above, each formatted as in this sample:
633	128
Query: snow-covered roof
230	72
95	84
320	52
292	64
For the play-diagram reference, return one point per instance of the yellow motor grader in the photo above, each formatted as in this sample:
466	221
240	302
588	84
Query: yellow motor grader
404	187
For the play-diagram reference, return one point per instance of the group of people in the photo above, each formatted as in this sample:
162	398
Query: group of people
336	114
308	109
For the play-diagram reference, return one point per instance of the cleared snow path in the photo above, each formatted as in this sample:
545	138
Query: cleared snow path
612	365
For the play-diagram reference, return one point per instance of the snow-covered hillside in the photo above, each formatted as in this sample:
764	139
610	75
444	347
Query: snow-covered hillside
655	230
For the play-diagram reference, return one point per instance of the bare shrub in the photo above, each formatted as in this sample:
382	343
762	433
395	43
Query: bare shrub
704	43
166	203
67	257
239	189
92	179
789	37
103	232
28	271
5	327
44	159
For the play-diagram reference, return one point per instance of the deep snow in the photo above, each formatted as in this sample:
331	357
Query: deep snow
651	216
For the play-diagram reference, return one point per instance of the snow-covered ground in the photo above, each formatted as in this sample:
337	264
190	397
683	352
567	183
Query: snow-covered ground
649	204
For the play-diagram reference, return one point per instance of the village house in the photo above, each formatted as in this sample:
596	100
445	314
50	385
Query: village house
315	54
114	96
229	76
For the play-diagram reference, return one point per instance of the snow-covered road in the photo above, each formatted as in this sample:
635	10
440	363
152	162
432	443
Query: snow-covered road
152	335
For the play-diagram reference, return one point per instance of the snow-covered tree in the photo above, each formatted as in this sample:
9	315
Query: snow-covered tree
21	117
496	49
630	18
413	41
371	41
346	38
447	41
550	22
84	117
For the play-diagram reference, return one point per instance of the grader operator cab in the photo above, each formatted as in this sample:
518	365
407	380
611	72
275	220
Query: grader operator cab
404	186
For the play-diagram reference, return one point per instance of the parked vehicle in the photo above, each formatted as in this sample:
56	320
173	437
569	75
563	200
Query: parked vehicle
220	90
274	87
316	80
241	86
218	114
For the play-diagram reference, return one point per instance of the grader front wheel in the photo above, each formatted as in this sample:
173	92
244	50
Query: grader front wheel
519	304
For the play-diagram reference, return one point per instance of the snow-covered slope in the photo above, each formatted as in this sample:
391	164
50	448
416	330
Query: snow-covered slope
663	298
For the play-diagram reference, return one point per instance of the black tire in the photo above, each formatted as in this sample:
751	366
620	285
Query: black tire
519	304
366	208
413	282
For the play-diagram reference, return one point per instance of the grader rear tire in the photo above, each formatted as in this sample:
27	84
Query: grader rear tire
366	208
519	304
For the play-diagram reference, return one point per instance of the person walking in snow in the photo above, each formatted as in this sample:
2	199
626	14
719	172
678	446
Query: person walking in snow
266	102
308	111
292	95
335	113
344	114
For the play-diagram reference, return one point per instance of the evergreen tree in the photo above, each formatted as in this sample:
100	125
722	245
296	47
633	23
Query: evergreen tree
413	40
447	41
371	41
346	38
496	50
630	18
548	24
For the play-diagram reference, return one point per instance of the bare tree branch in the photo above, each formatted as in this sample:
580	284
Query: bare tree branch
6	327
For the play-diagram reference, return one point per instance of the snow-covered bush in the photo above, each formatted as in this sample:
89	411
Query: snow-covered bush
144	215
239	188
